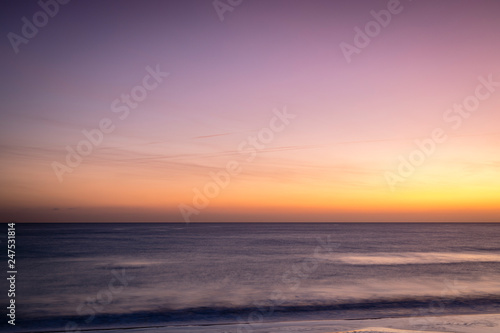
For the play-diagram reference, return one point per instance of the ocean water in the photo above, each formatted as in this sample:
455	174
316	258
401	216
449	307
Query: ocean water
78	277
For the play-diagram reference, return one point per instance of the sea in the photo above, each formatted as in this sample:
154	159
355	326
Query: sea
82	277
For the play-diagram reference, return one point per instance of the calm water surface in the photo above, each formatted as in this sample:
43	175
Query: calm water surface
83	276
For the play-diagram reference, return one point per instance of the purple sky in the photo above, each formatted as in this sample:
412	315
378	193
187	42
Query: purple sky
352	119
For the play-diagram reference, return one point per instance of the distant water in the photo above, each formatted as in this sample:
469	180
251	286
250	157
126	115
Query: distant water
82	276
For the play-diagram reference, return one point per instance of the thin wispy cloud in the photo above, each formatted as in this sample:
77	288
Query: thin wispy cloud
103	125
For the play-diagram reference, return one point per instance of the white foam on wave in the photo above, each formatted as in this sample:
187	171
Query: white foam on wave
406	258
385	330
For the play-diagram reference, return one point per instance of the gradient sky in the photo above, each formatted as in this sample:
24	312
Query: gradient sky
353	120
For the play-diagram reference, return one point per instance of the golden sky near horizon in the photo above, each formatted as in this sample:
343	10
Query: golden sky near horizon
262	116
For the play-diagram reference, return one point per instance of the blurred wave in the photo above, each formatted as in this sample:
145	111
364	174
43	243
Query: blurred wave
412	258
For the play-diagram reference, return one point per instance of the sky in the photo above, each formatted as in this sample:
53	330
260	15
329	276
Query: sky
232	111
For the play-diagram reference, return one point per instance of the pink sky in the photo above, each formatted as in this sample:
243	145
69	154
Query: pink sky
226	79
